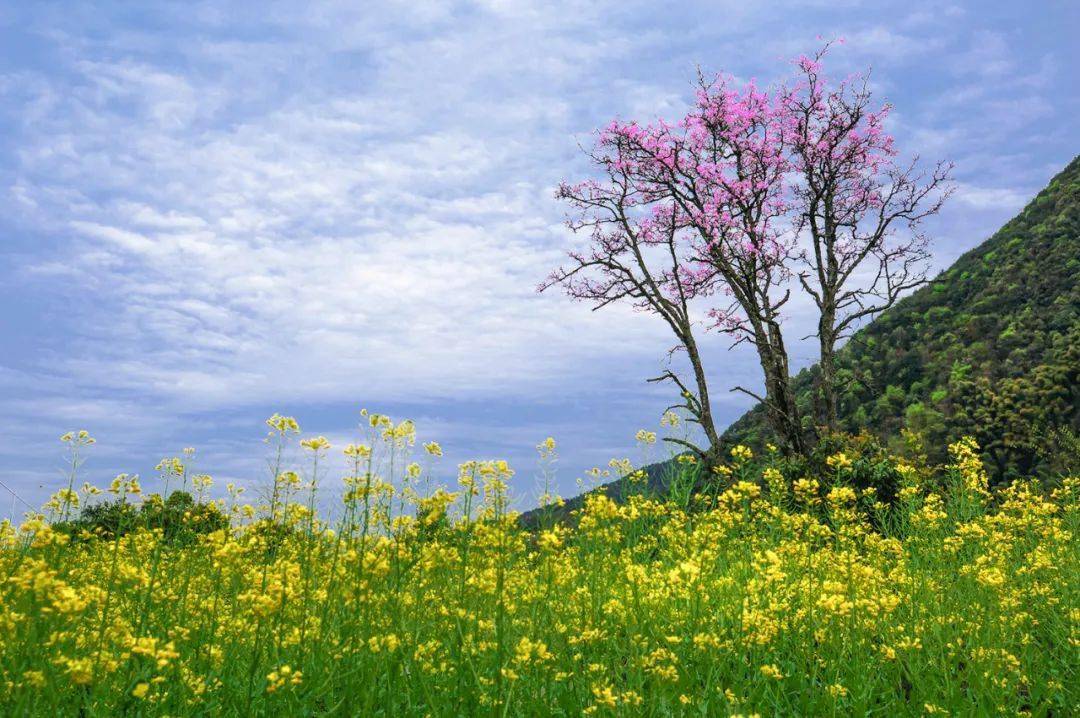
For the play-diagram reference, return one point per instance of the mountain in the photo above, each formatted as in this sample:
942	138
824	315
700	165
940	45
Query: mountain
990	348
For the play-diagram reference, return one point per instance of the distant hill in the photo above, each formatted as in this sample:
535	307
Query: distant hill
990	348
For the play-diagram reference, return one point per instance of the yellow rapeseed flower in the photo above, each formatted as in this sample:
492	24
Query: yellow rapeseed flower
645	437
740	453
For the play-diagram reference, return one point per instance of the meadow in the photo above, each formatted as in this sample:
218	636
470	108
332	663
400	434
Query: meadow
862	584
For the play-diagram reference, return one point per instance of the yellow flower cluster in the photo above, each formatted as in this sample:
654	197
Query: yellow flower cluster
776	597
276	680
966	455
741	453
318	443
646	437
839	460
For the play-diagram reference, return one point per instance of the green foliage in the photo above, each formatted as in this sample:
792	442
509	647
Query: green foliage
179	518
1063	455
872	469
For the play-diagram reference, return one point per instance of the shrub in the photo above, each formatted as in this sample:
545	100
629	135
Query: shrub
179	518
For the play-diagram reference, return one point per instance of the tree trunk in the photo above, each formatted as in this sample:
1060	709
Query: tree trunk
828	409
781	409
705	415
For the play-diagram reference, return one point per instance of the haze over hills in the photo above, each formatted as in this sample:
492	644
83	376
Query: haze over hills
990	348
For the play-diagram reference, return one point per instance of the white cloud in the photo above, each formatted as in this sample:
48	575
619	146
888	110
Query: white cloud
1002	198
379	241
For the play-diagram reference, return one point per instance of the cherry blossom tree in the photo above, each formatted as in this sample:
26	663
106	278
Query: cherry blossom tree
637	255
713	208
732	189
860	208
708	192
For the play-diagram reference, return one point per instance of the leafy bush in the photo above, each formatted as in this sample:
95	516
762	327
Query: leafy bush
179	518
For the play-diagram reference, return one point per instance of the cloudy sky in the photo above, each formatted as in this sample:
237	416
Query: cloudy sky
209	215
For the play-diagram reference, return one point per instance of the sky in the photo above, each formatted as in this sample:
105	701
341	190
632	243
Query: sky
211	212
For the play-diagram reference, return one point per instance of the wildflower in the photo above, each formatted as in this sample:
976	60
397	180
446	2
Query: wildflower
550	540
773	671
358	451
545	607
670	418
775	481
842	495
34	678
965	454
433	449
283	425
125	484
932	513
376	421
550	499
646	437
604	696
66	497
528	652
319	443
741	491
402	434
79	670
661	664
288	478
171	465
838	461
276	680
740	453
388	642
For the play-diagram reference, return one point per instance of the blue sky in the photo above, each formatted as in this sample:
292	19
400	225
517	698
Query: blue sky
209	214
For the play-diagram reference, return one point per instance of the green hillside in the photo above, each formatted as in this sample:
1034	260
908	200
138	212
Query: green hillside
990	348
